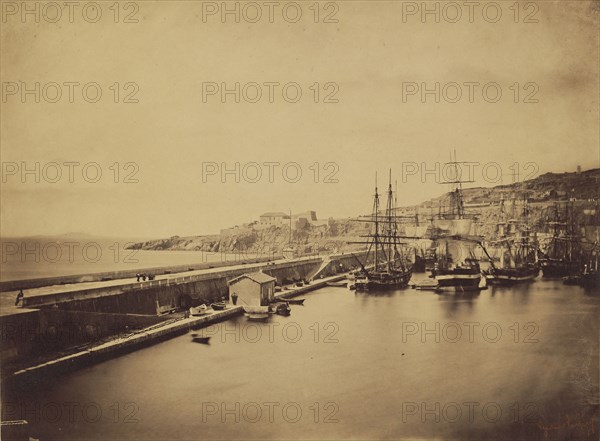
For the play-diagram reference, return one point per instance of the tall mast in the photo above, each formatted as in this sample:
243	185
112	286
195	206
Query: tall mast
527	229
375	212
501	218
457	208
390	226
513	205
459	202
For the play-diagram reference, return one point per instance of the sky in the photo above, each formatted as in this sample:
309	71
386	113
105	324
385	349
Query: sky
162	147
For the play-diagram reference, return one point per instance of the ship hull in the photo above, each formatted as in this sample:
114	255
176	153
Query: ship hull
458	280
560	269
383	281
511	276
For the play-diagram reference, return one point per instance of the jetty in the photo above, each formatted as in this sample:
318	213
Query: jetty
85	323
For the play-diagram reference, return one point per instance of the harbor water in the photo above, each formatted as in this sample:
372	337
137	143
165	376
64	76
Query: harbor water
511	363
53	258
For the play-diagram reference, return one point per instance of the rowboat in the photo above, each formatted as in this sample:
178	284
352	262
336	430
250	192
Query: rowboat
218	306
295	301
259	317
281	308
199	310
341	284
200	339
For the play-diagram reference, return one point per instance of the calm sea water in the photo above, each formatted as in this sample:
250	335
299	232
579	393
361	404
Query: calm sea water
351	366
37	259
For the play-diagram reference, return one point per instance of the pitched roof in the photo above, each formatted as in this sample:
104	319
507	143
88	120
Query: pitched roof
274	214
258	277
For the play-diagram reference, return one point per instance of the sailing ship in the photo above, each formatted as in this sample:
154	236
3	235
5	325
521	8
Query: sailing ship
588	277
456	267
518	249
563	255
390	269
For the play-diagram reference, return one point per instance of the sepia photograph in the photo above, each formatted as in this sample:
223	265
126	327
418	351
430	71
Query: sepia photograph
303	220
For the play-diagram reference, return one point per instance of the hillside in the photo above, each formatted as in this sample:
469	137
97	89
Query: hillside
542	191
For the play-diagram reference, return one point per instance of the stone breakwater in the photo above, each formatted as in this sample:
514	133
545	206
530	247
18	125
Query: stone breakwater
141	338
57	322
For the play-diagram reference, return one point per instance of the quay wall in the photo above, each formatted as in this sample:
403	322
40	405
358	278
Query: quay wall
164	295
94	354
159	297
37	333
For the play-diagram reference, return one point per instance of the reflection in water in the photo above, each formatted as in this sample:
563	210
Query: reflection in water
517	363
518	293
456	305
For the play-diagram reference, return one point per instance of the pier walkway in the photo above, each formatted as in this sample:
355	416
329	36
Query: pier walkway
56	293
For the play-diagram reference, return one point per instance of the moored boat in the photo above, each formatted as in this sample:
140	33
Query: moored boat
517	245
456	268
461	277
258	317
377	280
218	306
563	255
390	269
198	310
558	268
339	284
280	308
508	276
196	338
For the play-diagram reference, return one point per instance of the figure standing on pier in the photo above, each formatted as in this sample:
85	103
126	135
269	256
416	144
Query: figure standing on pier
20	297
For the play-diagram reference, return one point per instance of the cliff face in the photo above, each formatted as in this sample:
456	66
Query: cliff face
310	239
484	202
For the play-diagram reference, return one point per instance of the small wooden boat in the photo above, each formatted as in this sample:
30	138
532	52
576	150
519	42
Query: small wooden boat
340	284
197	338
295	301
281	308
218	306
198	310
258	317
